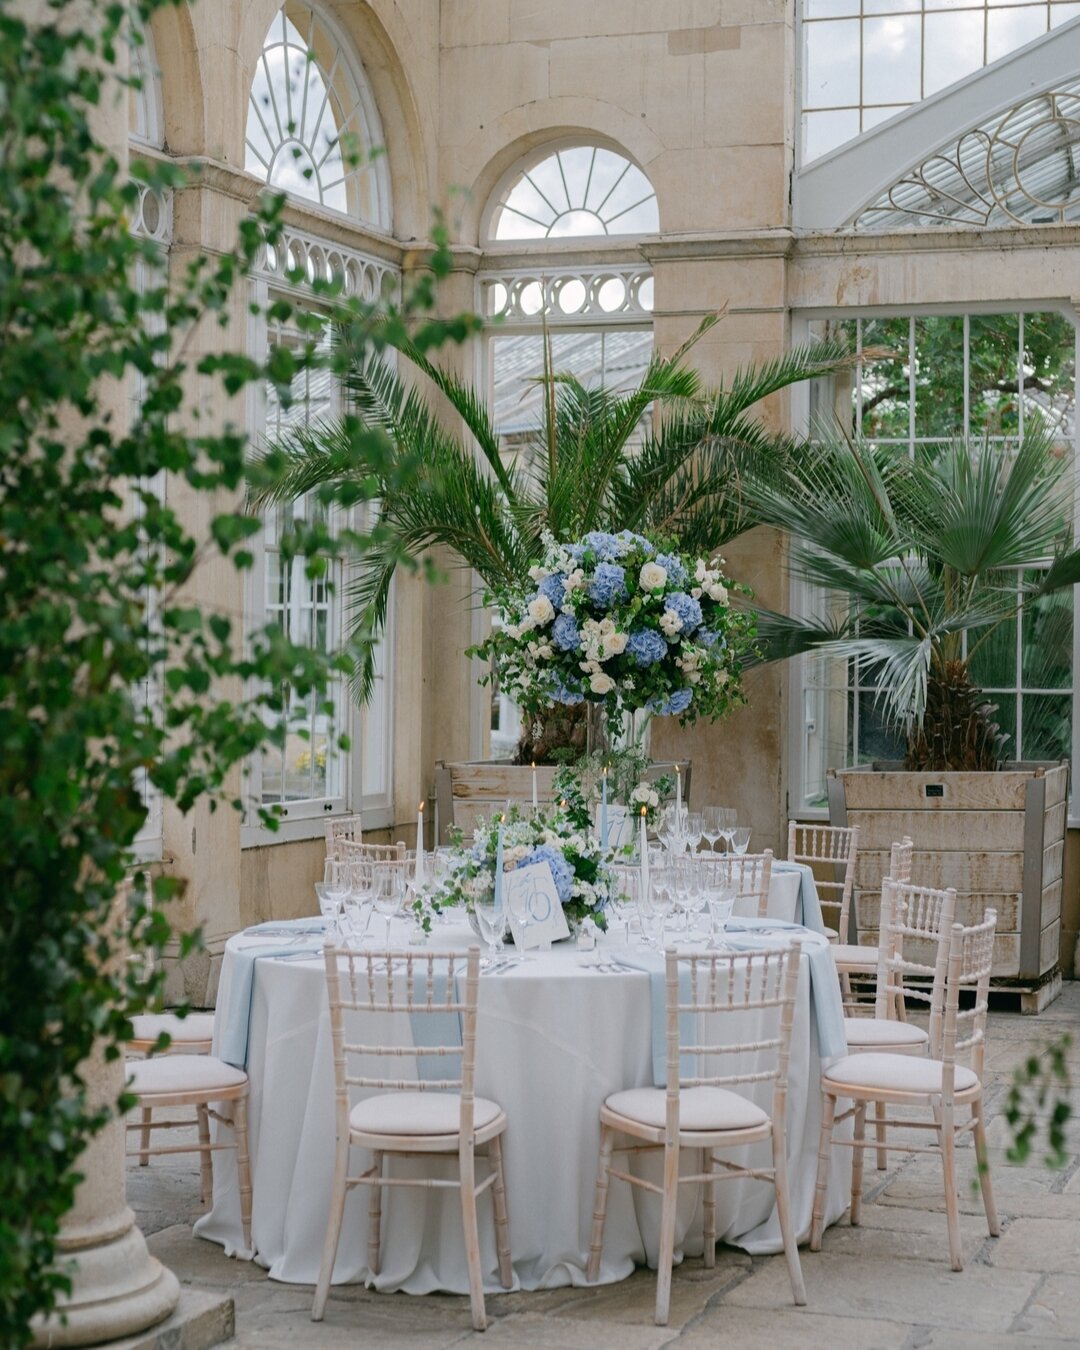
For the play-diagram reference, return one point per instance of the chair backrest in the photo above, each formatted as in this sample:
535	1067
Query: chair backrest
971	956
343	827
749	874
709	988
900	859
925	915
418	984
837	845
350	851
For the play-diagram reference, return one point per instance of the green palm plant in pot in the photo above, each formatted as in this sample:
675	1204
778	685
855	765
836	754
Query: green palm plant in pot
668	456
926	557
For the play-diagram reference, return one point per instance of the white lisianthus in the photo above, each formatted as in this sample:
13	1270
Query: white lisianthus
541	610
700	571
670	623
601	683
652	577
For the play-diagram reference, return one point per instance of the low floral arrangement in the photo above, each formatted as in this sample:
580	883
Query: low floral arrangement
582	871
623	621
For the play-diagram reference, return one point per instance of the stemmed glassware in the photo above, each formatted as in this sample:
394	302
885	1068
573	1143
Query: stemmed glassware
711	826
388	891
332	891
694	827
729	819
626	902
655	904
358	901
691	894
720	896
740	839
491	921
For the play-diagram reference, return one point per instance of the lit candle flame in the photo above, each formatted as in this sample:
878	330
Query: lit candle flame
421	806
644	810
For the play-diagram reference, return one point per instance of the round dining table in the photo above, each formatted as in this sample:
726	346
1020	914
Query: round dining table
555	1036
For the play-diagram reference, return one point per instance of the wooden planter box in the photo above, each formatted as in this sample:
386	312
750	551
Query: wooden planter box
467	791
998	838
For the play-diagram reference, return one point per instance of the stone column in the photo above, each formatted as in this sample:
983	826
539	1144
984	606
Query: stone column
118	1288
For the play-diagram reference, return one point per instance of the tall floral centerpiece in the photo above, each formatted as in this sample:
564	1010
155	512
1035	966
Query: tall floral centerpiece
624	622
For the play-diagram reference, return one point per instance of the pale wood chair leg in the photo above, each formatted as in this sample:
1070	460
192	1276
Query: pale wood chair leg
783	1213
821	1183
879	1131
243	1167
334	1217
710	1210
375	1215
206	1165
857	1163
666	1255
472	1237
985	1184
502	1222
144	1138
607	1147
947	1136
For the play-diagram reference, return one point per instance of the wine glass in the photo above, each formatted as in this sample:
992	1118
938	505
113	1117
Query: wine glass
672	833
388	891
720	897
692	895
711	826
740	839
523	900
624	902
358	901
332	890
491	921
693	827
655	904
729	819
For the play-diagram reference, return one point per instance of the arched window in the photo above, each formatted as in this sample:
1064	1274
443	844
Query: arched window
145	120
312	127
582	190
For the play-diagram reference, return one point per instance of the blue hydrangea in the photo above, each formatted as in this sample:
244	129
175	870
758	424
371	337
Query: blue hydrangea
707	637
674	706
628	541
646	646
604	546
561	870
676	572
608	584
566	696
565	633
687	608
554	587
576	551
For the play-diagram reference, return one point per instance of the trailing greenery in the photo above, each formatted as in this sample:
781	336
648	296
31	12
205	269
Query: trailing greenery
924	560
667	458
95	566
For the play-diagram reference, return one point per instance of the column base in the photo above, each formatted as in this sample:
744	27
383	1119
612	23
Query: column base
118	1289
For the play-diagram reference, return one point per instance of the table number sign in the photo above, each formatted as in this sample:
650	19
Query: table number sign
530	891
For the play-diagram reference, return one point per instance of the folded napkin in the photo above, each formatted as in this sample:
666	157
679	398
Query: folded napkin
434	1028
652	963
314	924
808	906
234	1012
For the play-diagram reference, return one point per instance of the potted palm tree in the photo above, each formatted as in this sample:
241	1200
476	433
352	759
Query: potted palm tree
927	561
666	458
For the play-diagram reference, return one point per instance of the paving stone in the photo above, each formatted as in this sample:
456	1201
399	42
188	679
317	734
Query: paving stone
1055	1309
907	1291
792	1329
1039	1244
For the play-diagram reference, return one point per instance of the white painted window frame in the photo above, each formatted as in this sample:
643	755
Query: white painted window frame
795	761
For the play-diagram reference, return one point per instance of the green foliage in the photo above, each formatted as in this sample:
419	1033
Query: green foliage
929	560
598	462
1037	1097
95	612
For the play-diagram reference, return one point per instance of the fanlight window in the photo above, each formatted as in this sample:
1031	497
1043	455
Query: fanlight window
583	190
312	126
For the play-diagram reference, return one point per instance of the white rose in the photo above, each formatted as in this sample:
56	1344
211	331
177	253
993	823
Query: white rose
545	653
696	592
652	577
541	610
700	570
722	677
616	644
537	573
601	683
718	592
575	580
512	631
670	622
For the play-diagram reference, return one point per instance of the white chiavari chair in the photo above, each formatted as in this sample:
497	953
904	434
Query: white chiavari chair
350	828
706	1111
853	959
410	1114
834	847
190	1035
938	1083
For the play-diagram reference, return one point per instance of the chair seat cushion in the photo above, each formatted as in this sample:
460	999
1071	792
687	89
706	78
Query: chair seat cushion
194	1027
701	1109
418	1113
181	1073
883	1032
850	954
894	1073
